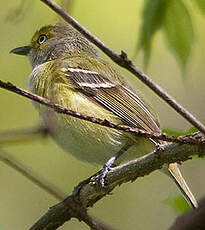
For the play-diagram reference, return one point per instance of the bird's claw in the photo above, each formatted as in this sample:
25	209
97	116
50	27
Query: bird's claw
102	175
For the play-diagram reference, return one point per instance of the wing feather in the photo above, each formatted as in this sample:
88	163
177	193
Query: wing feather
114	96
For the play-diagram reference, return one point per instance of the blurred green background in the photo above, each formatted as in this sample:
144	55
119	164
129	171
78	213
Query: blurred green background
117	23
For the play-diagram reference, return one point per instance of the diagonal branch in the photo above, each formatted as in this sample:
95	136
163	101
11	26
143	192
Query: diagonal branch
60	109
76	204
36	179
80	213
87	193
123	61
23	135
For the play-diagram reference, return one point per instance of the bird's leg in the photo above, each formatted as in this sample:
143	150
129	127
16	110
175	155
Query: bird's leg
158	144
106	167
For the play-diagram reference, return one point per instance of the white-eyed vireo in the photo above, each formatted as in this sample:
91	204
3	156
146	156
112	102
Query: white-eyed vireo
68	70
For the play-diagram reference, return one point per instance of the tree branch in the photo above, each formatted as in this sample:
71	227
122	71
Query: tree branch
123	61
51	189
60	109
22	135
88	192
72	206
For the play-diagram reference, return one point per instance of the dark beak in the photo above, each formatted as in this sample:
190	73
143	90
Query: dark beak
24	50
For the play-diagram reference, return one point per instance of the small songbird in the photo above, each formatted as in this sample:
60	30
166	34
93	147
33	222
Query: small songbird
68	70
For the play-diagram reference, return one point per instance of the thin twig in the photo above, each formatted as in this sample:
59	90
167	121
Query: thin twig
64	211
22	135
123	61
88	192
125	128
51	189
28	173
75	209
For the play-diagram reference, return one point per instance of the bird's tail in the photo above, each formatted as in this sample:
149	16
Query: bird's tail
176	175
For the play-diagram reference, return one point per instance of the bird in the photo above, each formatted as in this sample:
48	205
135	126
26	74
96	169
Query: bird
68	70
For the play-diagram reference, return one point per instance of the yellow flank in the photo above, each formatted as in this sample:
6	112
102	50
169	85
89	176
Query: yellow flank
86	141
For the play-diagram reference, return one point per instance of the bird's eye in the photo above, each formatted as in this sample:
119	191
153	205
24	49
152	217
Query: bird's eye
42	38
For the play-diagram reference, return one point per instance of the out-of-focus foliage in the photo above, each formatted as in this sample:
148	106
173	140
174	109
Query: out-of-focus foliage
180	133
119	29
152	20
17	14
178	204
174	19
178	30
67	5
201	5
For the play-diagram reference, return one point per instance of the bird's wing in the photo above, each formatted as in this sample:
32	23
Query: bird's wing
114	96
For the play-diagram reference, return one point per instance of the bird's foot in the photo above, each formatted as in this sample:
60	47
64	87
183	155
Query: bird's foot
104	171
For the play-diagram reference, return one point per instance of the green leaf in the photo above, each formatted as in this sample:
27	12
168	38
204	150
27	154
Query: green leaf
178	30
174	133
179	133
152	17
178	204
201	5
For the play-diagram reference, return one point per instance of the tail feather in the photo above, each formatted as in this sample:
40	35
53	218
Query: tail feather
176	175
